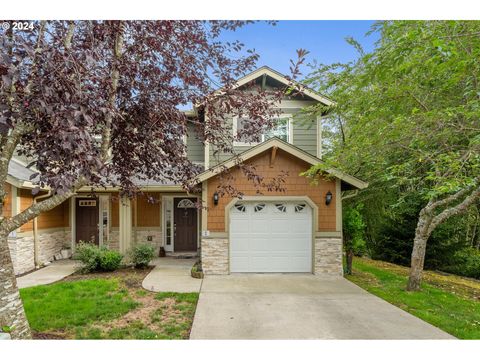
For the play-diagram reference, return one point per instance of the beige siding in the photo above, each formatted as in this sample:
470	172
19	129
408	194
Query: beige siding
148	213
54	218
26	199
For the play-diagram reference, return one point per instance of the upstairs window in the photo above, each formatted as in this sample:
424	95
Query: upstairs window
280	130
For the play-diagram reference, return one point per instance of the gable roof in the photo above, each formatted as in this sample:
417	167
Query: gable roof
289	148
265	70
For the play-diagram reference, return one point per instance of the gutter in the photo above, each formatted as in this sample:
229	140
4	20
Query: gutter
35	230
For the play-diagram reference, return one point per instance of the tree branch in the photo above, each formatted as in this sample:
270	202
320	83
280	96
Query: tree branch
68	38
450	199
458	209
10	224
107	130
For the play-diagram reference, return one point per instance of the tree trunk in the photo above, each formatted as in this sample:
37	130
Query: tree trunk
12	314
418	253
417	261
348	270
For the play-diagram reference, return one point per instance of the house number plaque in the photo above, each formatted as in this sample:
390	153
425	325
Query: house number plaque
87	203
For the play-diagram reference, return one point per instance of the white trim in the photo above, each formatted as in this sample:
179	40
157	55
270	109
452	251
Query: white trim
319	137
206	163
147	188
170	199
166	201
338	206
101	199
100	223
204	228
265	70
15	200
281	116
125	224
73	225
206	148
21	183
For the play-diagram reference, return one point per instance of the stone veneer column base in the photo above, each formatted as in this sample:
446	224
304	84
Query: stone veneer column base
21	252
328	256
142	235
215	256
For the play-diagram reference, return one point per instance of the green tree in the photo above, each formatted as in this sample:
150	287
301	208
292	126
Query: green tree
407	119
353	234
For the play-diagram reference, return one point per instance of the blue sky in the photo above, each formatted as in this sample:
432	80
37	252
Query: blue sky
325	39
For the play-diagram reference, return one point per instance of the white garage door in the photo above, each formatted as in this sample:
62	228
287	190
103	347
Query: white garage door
270	237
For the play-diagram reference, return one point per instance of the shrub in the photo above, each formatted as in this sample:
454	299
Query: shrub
466	262
89	255
109	260
142	254
94	258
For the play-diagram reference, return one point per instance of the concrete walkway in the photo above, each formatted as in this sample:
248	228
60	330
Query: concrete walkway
288	306
172	275
54	272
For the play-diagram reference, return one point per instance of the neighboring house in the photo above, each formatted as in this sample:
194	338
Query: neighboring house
299	230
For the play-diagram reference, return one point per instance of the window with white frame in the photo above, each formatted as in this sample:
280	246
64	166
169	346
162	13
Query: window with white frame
281	130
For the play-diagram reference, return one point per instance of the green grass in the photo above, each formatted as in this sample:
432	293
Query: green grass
190	298
456	311
107	308
76	303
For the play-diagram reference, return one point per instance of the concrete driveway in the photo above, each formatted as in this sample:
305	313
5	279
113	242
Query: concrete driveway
287	306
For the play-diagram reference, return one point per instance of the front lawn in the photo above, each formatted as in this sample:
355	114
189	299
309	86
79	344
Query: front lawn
449	302
107	306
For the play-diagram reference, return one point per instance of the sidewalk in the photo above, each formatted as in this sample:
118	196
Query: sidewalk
54	272
172	275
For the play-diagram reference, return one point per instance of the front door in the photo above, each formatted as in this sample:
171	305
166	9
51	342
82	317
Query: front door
185	224
86	220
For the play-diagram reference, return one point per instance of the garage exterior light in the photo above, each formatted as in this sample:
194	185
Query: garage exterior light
328	198
215	198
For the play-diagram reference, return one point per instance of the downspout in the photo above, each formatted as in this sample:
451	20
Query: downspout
35	230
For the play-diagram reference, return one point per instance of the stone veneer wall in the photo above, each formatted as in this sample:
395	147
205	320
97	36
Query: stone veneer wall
114	241
21	252
50	244
215	259
141	236
328	256
22	248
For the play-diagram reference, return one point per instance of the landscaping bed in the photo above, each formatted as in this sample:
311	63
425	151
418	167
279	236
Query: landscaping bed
449	302
111	305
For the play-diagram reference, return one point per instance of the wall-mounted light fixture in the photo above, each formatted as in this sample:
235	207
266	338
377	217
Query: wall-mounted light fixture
328	198
215	198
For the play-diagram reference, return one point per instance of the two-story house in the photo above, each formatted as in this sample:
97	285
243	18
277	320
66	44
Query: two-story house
295	230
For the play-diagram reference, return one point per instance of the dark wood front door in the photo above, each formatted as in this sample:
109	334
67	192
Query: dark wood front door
86	220
185	224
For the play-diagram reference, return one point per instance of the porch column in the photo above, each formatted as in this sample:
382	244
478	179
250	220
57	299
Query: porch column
125	225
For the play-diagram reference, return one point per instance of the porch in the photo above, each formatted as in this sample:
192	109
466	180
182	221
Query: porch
168	221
